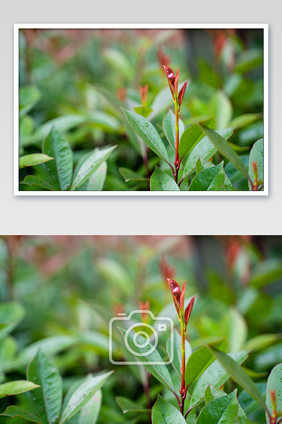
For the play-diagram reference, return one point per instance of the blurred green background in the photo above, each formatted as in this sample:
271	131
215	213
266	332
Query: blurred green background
60	292
78	79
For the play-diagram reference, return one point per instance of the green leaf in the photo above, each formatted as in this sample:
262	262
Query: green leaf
210	179
28	97
127	405
215	375
199	361
248	60
97	180
238	375
60	169
10	315
48	398
173	347
274	383
256	155
90	412
212	393
221	108
82	395
235	328
143	110
222	410
130	175
33	159
161	181
147	132
165	413
262	341
33	180
225	149
50	346
204	150
16	387
89	164
152	361
169	128
16	411
115	275
266	272
62	124
189	139
244	120
119	62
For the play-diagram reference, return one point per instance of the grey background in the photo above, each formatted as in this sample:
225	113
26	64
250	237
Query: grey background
140	215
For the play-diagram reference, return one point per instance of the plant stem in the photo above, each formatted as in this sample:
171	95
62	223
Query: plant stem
176	162
183	389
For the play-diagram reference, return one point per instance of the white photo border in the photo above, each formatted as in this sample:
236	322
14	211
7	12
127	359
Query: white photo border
263	26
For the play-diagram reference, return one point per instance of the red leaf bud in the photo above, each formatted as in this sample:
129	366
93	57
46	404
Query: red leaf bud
189	310
181	93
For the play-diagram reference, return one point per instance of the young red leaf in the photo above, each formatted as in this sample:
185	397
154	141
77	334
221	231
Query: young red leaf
176	293
176	81
182	296
181	93
171	79
189	310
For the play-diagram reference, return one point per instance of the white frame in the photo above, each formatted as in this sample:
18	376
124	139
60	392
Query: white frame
17	192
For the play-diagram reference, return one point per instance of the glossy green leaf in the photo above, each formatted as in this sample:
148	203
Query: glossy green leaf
173	348
16	411
48	398
238	375
204	150
215	375
152	361
33	180
212	393
127	405
225	149
199	361
274	383
10	315
97	180
60	169
161	181
222	410
210	179
147	132
16	387
189	139
33	159
62	124
28	97
90	412
169	128
256	155
82	395
165	413
89	164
